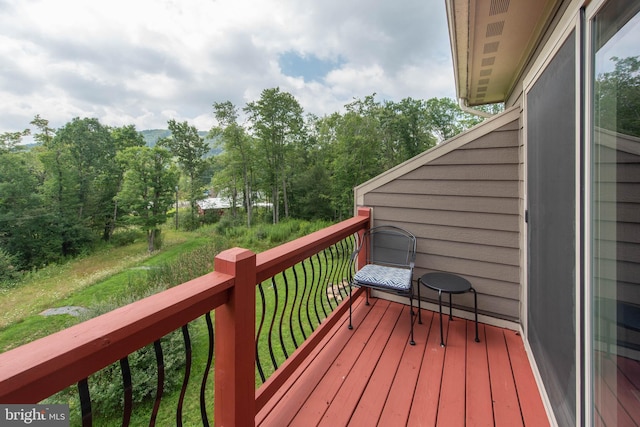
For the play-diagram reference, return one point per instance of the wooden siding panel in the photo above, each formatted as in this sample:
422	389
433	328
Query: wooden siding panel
499	307
483	172
496	139
465	207
468	251
482	156
506	239
445	203
503	272
456	219
451	188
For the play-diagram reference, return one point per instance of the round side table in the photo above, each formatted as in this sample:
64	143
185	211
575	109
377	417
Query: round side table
450	284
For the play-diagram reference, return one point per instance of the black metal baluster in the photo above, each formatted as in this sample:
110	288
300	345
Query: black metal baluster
284	309
187	373
273	321
340	249
313	275
304	291
344	263
316	286
207	368
85	402
258	333
322	284
350	264
333	280
160	387
128	391
293	306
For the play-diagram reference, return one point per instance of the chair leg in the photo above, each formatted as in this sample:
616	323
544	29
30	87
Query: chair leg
366	292
419	308
412	342
440	311
475	304
350	293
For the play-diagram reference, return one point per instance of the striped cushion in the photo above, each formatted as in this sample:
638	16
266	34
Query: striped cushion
385	277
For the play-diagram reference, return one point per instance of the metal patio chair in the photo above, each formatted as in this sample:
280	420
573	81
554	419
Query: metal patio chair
390	254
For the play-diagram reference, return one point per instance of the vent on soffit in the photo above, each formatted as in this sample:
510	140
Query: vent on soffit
495	29
498	6
487	62
491	47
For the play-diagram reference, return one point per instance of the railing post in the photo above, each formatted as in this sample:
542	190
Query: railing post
235	342
362	256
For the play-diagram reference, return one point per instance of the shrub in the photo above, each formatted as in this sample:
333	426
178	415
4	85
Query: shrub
9	270
126	237
105	386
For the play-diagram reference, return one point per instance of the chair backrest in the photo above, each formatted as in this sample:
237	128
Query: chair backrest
390	245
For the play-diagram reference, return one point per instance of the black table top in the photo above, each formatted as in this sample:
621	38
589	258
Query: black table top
446	282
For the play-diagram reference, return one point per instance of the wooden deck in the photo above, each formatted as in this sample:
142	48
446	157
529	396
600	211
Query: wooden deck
371	376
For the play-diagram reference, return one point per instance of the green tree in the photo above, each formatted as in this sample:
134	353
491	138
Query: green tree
277	122
148	188
238	156
10	141
617	96
406	130
357	153
123	137
26	222
189	149
444	116
92	151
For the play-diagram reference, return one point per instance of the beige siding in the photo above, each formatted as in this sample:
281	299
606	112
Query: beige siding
463	201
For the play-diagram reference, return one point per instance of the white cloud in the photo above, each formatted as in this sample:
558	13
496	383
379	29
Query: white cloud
143	62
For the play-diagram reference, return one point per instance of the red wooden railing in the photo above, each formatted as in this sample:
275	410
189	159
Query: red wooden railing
39	369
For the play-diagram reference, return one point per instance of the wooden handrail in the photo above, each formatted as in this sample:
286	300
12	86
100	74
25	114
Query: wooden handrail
273	261
41	368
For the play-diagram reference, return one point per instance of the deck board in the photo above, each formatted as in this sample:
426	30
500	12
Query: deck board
356	381
506	406
373	398
531	405
322	396
398	403
424	408
451	408
479	405
372	376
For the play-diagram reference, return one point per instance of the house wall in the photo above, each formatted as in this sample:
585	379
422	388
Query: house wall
463	202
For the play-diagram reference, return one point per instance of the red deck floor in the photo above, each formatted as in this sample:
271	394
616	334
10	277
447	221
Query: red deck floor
371	376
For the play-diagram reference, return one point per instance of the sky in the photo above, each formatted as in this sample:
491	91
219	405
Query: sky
144	62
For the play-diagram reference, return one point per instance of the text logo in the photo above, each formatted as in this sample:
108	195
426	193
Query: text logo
34	415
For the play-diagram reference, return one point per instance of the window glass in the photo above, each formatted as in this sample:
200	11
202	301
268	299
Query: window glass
616	214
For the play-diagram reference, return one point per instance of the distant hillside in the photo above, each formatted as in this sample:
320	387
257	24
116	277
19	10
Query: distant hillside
151	136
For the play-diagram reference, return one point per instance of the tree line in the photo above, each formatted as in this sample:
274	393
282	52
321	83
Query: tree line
85	181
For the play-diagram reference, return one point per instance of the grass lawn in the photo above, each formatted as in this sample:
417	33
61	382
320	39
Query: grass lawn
83	282
111	277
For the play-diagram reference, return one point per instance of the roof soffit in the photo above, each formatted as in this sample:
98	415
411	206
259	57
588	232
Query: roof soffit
492	41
